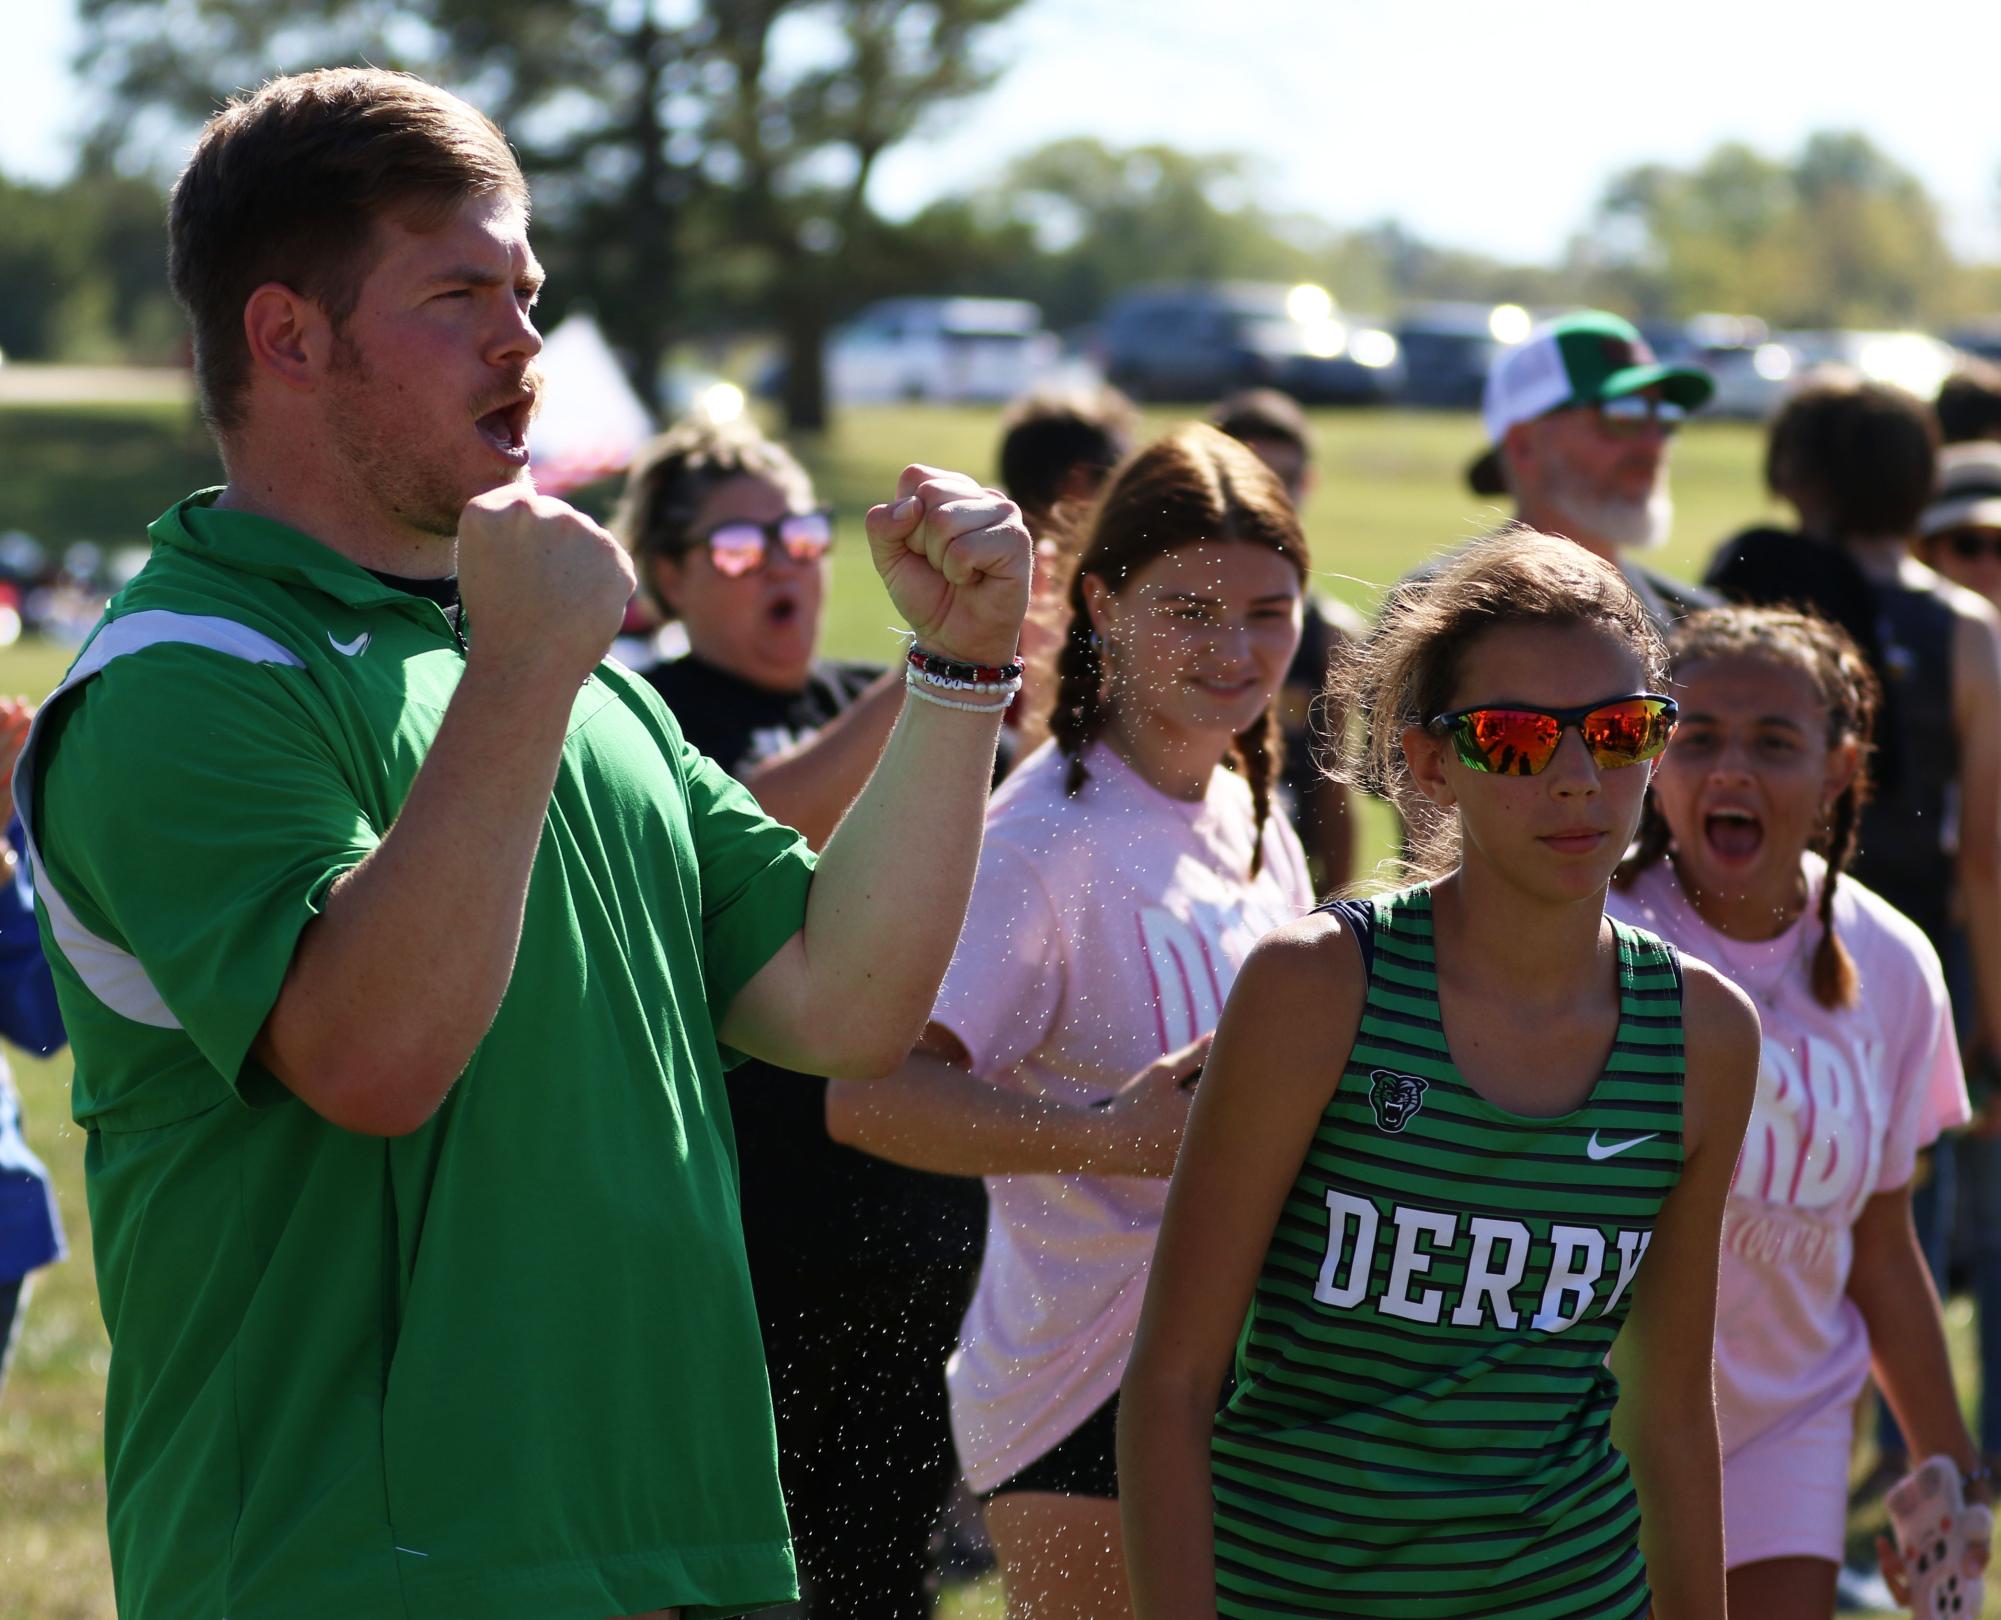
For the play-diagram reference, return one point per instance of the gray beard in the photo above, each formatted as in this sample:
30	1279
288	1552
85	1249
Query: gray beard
1629	525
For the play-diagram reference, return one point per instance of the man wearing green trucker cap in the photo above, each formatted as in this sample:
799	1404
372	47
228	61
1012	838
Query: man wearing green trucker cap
1578	419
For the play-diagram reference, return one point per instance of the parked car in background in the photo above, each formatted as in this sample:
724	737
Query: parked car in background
1200	341
1753	369
1448	349
948	349
1915	361
1983	339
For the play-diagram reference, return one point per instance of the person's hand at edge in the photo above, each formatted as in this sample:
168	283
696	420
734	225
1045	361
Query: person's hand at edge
17	714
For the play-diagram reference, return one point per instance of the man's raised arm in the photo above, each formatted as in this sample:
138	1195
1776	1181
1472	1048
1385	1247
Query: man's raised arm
396	981
850	992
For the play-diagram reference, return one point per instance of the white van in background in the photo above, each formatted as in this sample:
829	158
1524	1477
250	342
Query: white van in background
984	350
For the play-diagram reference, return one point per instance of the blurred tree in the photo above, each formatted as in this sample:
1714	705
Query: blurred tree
1077	221
38	264
81	263
797	148
1419	271
718	147
1839	236
1074	222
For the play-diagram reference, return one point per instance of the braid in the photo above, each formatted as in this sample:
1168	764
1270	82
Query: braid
1649	845
1855	699
1078	714
1258	752
1836	982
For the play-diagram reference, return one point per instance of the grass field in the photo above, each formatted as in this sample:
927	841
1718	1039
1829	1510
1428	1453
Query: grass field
1390	493
1390	489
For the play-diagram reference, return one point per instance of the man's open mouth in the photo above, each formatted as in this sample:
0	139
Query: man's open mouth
506	426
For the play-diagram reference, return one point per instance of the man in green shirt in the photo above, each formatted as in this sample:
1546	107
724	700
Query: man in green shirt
403	940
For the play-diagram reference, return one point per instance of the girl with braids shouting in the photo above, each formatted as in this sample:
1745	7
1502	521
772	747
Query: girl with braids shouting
1451	1145
1129	866
1748	829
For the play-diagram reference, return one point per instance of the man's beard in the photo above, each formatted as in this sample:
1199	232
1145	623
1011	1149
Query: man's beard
421	491
1632	525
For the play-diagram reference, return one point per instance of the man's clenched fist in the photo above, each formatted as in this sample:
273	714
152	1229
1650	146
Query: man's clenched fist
955	558
543	586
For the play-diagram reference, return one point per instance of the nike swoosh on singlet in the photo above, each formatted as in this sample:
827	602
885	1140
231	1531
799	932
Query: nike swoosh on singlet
1605	1150
354	648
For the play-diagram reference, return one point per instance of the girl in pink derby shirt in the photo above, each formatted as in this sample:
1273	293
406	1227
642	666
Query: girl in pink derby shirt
1755	808
1130	864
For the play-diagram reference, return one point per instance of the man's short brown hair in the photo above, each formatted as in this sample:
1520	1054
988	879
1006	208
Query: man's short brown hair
286	185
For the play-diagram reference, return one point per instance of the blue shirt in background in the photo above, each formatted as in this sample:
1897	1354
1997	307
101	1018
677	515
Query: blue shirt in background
31	1234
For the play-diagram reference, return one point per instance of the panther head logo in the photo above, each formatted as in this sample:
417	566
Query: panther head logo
1395	1097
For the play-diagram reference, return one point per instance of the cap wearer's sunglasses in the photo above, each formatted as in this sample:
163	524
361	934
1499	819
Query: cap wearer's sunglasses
741	547
1630	415
1970	545
1514	740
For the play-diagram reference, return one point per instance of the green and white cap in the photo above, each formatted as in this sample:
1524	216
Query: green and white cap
1576	359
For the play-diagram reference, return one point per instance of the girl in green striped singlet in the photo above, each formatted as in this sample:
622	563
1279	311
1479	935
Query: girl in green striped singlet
1450	1145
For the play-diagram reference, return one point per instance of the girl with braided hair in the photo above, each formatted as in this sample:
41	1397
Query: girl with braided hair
1755	809
1129	866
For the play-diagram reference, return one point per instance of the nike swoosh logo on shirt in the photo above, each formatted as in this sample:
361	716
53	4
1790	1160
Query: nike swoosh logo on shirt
1605	1150
354	648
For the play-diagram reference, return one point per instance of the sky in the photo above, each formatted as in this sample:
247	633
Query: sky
1479	125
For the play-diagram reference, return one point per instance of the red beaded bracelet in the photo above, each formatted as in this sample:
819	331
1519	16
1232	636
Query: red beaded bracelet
946	669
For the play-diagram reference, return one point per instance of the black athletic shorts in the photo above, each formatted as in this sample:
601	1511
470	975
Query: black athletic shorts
1086	1463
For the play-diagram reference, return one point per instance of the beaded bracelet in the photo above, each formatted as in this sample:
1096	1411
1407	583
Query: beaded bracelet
918	691
943	670
945	683
945	675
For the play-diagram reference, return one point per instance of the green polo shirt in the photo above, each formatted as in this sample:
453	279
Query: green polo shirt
503	1368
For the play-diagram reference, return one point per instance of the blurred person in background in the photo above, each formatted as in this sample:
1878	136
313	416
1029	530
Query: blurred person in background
1960	536
1969	403
1856	460
1058	446
1579	416
1959	533
861	1268
1273	428
31	1234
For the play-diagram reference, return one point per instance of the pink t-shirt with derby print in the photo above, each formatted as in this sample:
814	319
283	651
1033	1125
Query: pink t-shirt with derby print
1847	1096
1104	932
